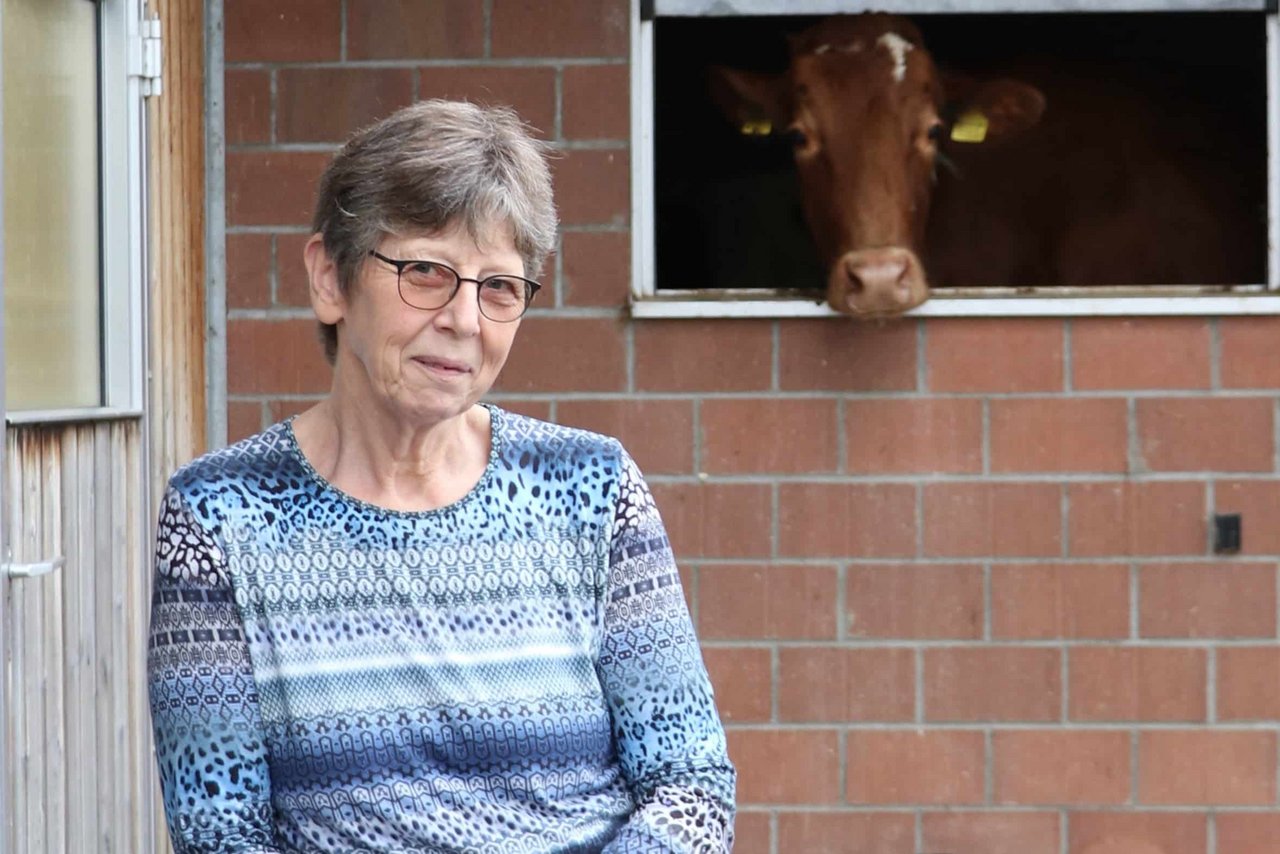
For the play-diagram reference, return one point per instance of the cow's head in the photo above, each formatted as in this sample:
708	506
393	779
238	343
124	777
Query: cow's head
867	111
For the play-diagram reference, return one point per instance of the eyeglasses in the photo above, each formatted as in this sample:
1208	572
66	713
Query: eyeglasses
429	285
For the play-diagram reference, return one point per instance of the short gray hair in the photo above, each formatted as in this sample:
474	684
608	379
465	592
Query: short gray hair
429	166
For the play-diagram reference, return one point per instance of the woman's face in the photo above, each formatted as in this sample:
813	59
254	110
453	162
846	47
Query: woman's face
426	366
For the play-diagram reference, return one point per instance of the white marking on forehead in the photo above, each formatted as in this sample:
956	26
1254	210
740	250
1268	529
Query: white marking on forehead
897	47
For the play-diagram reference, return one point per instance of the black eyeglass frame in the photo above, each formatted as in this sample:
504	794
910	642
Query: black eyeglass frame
401	265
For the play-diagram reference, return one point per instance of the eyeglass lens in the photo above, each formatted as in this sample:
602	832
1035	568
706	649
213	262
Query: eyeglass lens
429	286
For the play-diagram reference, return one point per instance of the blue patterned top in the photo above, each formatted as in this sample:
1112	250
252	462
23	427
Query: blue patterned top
514	672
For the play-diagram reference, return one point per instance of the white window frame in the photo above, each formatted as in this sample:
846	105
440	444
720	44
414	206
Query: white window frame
123	221
648	302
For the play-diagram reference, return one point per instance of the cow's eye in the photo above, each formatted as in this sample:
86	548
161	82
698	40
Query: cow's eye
937	131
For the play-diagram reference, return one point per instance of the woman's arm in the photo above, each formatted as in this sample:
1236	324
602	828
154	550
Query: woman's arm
204	702
665	725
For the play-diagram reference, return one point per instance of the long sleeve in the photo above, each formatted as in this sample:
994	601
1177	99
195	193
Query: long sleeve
665	725
204	702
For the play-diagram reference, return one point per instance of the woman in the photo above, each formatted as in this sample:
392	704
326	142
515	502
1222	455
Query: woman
405	621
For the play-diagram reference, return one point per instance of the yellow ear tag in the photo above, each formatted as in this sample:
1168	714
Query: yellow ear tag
970	127
763	127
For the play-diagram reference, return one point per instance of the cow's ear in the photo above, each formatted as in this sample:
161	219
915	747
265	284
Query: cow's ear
748	99
1005	107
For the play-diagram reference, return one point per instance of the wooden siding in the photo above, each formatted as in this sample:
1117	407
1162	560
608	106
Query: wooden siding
79	728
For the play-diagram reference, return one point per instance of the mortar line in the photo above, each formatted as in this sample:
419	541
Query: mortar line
1211	832
1135	592
1064	676
987	632
342	31
557	121
842	601
273	276
988	767
842	437
1135	766
487	45
273	102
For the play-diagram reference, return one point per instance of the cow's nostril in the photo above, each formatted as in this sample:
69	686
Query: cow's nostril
856	285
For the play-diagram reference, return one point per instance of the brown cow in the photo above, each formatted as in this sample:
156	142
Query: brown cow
1072	182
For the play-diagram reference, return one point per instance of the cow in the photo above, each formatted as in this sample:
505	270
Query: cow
914	176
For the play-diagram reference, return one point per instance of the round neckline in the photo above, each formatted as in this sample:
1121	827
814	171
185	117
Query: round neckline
496	416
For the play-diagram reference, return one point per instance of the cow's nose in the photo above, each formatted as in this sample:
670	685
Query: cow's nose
875	275
877	282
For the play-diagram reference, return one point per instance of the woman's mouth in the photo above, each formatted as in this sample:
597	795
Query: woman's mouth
443	367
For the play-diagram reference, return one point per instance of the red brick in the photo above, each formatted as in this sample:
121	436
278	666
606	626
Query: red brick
279	410
930	435
597	102
840	685
1127	832
994	354
1136	684
743	681
275	357
281	30
1056	767
248	270
847	520
1229	600
1143	518
564	28
799	436
915	767
768	602
751	833
991	832
1249	683
873	833
597	267
716	519
999	519
414	29
566	354
1059	434
329	104
1248	833
839	355
248	106
272	187
1216	434
702	355
916	602
1140	353
992	684
530	91
1207	767
244	419
292	286
1258	503
786	766
592	186
1045	601
657	433
1248	358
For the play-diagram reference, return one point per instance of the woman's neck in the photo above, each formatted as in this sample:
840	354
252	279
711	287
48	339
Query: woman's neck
371	455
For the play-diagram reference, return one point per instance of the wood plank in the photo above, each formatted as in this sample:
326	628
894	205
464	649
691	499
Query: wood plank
53	649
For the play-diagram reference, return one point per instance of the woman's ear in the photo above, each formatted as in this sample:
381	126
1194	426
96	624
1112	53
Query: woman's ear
327	300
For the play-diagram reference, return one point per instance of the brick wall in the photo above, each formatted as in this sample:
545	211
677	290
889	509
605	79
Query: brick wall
953	578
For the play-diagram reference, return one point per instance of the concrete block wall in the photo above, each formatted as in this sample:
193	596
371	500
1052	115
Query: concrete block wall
953	578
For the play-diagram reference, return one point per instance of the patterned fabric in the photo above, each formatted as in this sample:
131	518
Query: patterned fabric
516	672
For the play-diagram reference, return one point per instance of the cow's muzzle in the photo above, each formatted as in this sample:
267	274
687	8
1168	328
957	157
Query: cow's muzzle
882	282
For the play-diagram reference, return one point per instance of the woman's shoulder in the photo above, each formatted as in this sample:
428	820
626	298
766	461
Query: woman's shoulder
528	435
244	467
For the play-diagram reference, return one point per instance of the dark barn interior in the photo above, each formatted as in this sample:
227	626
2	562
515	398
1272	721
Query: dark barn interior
726	205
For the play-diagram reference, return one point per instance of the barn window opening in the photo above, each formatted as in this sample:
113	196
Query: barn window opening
1141	175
